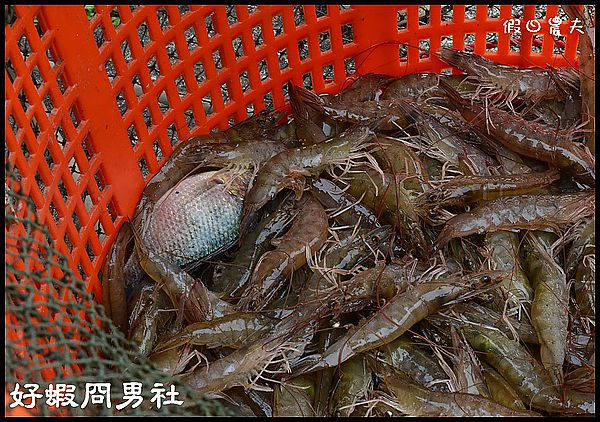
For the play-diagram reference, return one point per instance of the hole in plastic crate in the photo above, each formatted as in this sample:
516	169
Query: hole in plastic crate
491	42
111	71
121	103
268	98
321	10
190	38
74	168
163	101
24	47
277	21
257	35
183	9
540	11
446	71
143	34
153	68
307	80
62	190
515	42
517	11
469	42
244	81
172	53
424	48
470	12
137	86
252	8
231	121
401	20
99	35
40	182
172	134
324	41
224	93
133	136
36	77
210	29
263	70
68	243
446	41
217	59
231	15
181	86
402	51
87	199
238	47
283	59
207	105
303	49
34	126
81	271
199	72
13	124
61	85
493	11
74	117
147	117
86	148
36	23
157	150
328	73
537	42
100	231
350	65
89	251
559	44
99	182
48	159
347	34
12	75
423	15
299	18
47	102
189	119
126	51
143	167
447	13
76	221
163	18
60	136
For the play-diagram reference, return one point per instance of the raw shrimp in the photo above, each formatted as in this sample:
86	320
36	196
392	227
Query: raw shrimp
414	400
113	282
294	397
534	212
404	355
420	86
230	277
307	128
526	375
289	168
550	306
438	141
399	315
515	293
353	384
494	78
500	390
233	330
307	234
530	139
467	370
348	210
468	189
393	203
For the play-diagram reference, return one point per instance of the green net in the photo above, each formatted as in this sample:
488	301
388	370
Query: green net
57	334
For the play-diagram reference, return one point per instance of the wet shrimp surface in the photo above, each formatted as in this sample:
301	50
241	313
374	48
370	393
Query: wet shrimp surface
419	245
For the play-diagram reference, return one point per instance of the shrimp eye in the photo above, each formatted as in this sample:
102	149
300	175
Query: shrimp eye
486	279
331	303
253	303
374	238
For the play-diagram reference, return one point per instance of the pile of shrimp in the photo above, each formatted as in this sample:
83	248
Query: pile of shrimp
419	245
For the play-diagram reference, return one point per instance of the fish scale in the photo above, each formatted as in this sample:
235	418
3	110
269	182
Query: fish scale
196	218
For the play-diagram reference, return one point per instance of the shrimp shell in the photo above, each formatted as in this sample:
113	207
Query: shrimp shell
535	212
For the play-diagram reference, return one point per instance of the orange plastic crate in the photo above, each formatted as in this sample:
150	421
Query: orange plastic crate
76	158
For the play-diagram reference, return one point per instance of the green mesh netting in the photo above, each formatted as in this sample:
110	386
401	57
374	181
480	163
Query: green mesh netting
57	333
